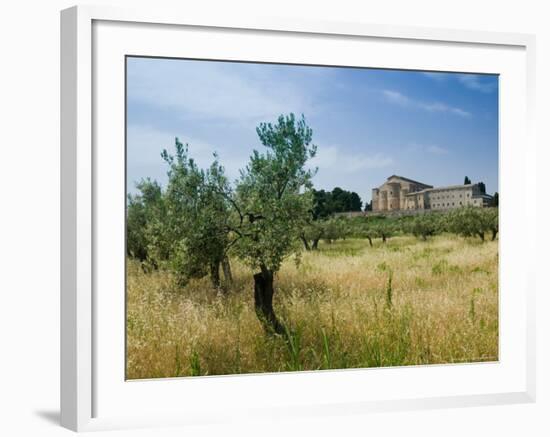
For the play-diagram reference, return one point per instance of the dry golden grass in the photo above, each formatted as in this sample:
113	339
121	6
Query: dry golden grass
442	307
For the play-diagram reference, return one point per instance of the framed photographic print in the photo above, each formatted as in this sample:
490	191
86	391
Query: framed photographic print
268	218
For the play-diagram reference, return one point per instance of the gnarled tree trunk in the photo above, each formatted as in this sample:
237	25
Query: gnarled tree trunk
226	266
315	244
304	240
215	274
263	302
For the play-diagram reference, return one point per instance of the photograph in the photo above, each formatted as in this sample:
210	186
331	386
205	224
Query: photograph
292	217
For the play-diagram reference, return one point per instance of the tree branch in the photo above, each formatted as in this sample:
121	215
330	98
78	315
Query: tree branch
231	201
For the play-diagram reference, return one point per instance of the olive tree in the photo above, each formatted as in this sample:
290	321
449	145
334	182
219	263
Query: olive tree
312	233
365	229
272	203
141	209
136	220
191	234
385	229
469	221
334	229
490	217
200	216
424	225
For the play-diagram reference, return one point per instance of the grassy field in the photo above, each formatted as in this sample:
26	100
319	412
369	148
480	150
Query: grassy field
348	305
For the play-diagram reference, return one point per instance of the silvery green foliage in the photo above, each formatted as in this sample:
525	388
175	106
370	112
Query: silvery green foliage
472	221
191	235
335	229
385	228
191	226
425	225
141	210
330	230
273	197
312	233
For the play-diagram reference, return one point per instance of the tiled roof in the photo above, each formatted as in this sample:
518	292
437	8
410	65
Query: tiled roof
408	180
448	187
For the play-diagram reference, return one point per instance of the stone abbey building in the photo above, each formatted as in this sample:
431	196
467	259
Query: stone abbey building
402	194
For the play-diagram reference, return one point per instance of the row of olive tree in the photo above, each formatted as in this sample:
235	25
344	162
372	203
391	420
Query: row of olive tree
466	221
473	222
332	229
328	230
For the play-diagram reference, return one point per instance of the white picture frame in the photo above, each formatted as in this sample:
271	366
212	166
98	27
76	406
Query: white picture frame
91	384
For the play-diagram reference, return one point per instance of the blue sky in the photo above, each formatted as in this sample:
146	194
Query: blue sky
367	123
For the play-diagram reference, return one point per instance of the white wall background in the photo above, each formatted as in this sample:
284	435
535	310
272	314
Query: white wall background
29	214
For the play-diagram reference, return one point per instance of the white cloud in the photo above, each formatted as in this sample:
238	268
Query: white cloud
436	150
441	107
427	148
400	99
145	144
338	167
215	91
435	75
335	159
397	98
472	81
475	82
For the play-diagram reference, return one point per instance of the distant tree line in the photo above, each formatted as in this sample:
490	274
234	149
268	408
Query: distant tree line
483	190
326	203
